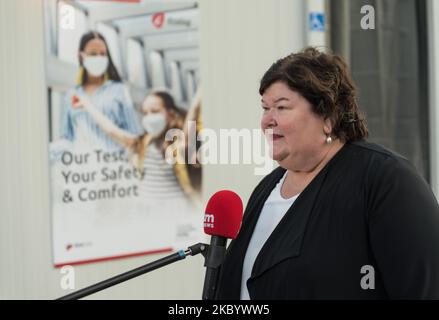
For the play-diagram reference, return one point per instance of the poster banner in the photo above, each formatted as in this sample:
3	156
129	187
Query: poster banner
121	77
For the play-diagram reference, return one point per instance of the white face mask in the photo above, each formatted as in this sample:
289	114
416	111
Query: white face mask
154	124
96	65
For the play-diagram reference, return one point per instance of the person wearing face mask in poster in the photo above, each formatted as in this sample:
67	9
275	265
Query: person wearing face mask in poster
99	80
161	180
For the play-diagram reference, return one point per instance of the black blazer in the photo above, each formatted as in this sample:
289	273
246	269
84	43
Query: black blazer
367	207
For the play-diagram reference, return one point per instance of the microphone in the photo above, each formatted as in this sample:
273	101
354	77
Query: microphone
222	220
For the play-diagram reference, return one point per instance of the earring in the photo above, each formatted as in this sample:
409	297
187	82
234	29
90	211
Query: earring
328	139
106	77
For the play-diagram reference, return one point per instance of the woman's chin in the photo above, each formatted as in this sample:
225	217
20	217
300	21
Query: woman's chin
278	156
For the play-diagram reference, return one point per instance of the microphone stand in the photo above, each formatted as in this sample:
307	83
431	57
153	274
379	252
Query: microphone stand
214	258
180	255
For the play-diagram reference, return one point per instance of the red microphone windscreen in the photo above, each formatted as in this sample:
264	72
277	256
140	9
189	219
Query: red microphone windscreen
223	215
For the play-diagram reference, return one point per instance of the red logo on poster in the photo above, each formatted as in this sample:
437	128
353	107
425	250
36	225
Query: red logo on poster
158	19
69	247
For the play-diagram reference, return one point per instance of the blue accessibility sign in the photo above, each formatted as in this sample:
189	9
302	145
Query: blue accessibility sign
317	21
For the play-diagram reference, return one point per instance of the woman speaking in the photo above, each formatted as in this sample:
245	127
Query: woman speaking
340	218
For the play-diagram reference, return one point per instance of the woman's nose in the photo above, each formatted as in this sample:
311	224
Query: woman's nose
269	121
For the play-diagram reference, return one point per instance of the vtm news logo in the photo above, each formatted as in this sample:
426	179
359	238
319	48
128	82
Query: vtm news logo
209	220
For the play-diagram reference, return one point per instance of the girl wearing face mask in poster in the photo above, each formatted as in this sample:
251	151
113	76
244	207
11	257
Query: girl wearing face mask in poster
99	80
161	180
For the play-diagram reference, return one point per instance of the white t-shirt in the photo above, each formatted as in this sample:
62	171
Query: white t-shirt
272	213
160	190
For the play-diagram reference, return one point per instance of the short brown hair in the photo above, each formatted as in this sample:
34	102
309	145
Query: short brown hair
325	81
